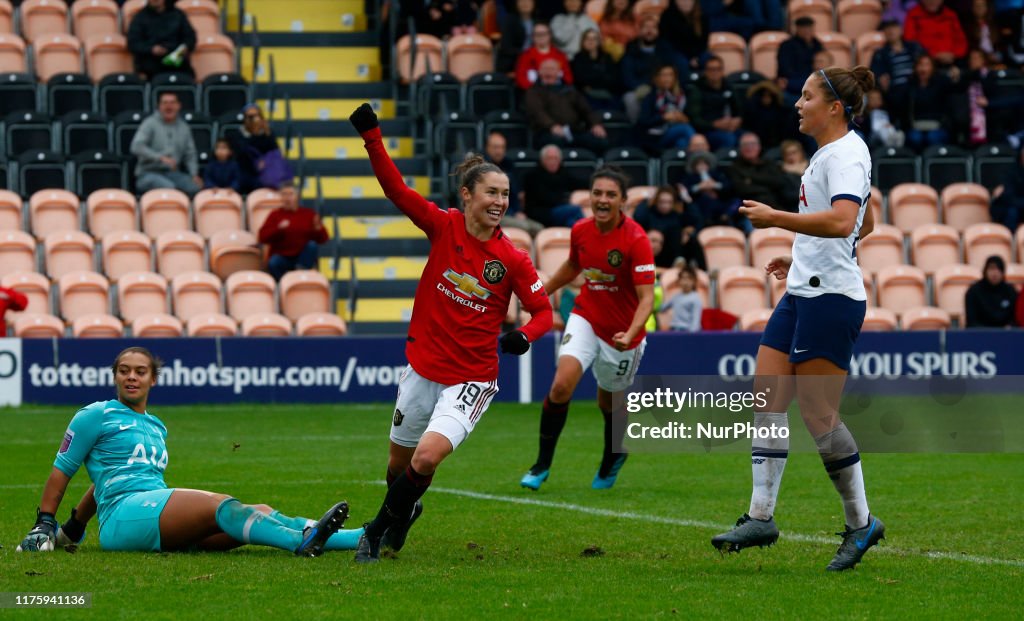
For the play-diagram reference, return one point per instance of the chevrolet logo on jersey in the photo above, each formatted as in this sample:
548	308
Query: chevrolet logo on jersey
464	283
592	274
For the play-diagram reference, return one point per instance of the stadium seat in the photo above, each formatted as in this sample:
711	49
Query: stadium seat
320	324
901	287
490	91
912	205
671	275
944	165
68	251
122	96
856	17
97	327
17	252
520	239
510	124
984	240
741	288
83	293
178	252
38	327
950	285
266	324
1015	274
249	292
141	293
934	245
673	165
6	16
731	48
818	10
52	211
106	55
41	169
25	131
129	9
428	53
196	293
839	46
211	325
992	162
649	7
164	210
866	44
214	53
304	291
95	170
876	206
764	52
724	246
892	166
964	204
181	84
69	92
34	286
158	326
595	8
17	92
457	133
203	15
634	196
879	320
111	209
90	18
436	94
85	131
55	53
552	246
10	211
258	205
217	210
12	54
125	252
224	93
621	131
634	162
469	55
755	319
766	244
126	124
925	318
580	198
234	251
43	17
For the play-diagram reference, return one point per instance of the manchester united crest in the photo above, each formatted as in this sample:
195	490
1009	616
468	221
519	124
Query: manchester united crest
397	420
494	271
566	338
614	258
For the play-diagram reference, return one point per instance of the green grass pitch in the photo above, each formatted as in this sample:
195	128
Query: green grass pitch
485	548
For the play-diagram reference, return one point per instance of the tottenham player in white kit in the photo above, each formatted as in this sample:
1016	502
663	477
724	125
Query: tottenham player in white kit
806	347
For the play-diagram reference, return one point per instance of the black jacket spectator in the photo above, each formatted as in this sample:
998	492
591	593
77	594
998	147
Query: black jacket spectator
255	140
989	303
595	73
757	179
154	34
642	59
707	191
515	32
765	114
688	34
545	191
796	57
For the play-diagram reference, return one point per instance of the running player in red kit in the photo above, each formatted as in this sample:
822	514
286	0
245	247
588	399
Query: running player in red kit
606	327
461	301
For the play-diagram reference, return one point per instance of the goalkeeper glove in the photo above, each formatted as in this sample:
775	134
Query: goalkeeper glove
364	119
42	535
514	342
71	531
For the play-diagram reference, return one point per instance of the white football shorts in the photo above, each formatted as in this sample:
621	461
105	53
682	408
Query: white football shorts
614	370
451	411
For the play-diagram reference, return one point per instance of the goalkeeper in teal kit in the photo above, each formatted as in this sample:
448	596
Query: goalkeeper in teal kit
123	449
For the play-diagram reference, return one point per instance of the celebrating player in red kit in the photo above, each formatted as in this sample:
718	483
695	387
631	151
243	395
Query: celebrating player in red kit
461	301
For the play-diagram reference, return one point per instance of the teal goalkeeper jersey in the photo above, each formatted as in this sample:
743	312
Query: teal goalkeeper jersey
124	452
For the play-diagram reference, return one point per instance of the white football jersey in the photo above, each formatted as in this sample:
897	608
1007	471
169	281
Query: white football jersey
841	169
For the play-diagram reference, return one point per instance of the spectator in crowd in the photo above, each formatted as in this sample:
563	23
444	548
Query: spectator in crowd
896	10
698	144
645	55
657	239
707	191
937	28
990	302
664	213
927	119
822	60
665	113
981	29
685	26
163	144
618	27
10	299
515	36
1008	197
161	39
223	171
432	17
293	234
757	179
528	65
596	75
568	27
893	66
559	114
515	217
796	58
794	158
683	303
254	147
765	113
717	107
547	189
729	16
977	103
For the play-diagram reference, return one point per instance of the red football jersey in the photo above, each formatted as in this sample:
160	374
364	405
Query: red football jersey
613	264
464	291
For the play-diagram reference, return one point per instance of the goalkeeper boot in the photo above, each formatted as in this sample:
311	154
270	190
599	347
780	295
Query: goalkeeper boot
856	543
314	537
534	477
749	532
394	537
368	548
608	480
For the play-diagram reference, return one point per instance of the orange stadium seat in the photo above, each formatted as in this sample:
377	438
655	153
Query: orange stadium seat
925	318
636	195
320	324
97	327
178	252
552	246
879	320
53	211
901	287
17	252
670	276
818	10
266	324
249	292
217	210
856	17
106	54
984	240
934	245
158	326
581	198
964	204
876	205
741	288
302	292
83	293
1015	274
203	15
211	324
839	46
520	239
258	205
94	17
33	286
913	204
755	319
126	251
866	44
38	327
777	288
10	211
766	244
950	285
164	210
469	55
56	53
141	293
428	51
196	293
731	48
214	53
724	246
128	12
68	251
884	246
6	17
764	52
649	7
43	17
110	210
234	251
595	8
12	54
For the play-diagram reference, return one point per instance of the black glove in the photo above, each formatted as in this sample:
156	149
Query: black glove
40	538
364	118
514	342
71	531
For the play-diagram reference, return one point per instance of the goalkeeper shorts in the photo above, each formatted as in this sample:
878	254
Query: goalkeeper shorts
135	523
